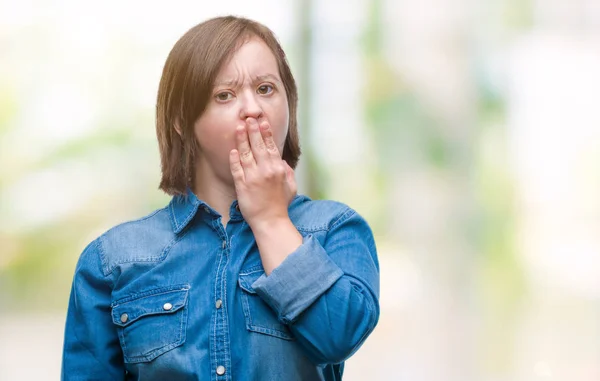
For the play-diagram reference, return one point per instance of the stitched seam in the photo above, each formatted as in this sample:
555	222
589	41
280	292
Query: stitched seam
158	258
214	338
103	259
191	214
132	260
183	322
252	270
246	301
123	341
171	244
216	311
342	217
246	309
153	292
271	332
224	314
295	311
173	217
155	352
313	229
135	317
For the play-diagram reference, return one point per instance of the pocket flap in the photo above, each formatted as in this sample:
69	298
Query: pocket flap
246	280
159	302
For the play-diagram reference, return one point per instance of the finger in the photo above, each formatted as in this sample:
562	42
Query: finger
236	167
291	178
257	144
243	147
267	134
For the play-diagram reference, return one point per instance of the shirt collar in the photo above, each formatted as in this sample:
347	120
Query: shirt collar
183	208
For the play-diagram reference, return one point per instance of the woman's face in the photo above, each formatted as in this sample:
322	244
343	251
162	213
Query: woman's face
247	86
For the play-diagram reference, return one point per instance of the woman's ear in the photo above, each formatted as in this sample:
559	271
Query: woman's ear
178	129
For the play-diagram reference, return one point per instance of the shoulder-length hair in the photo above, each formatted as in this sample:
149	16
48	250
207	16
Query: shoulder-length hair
186	85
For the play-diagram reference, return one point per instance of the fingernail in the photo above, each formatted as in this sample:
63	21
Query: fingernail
251	121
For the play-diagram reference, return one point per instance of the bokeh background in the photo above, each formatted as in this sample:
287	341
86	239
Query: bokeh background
466	132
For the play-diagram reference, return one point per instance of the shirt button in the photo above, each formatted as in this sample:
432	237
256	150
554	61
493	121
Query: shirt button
224	244
206	210
124	318
167	306
220	370
219	303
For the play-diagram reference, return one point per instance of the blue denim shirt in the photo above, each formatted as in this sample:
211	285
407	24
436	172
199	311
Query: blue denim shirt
177	296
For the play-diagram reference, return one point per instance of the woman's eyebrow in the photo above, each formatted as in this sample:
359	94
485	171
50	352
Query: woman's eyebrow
258	78
266	77
229	83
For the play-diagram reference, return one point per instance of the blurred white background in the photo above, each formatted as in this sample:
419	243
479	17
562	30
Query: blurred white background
467	133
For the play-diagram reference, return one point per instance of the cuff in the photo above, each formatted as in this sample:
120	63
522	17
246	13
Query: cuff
298	281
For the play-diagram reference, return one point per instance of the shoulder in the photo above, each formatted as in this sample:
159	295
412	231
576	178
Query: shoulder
334	225
316	215
155	222
140	240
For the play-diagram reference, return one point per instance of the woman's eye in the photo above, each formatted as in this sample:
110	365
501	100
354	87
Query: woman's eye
224	96
265	89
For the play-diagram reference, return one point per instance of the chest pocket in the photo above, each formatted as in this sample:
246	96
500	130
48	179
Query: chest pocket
151	323
259	316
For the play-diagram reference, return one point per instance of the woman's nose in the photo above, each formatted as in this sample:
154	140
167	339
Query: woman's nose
251	107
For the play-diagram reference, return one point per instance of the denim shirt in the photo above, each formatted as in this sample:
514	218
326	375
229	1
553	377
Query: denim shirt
178	296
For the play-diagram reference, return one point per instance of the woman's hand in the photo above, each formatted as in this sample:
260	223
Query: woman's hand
265	186
264	183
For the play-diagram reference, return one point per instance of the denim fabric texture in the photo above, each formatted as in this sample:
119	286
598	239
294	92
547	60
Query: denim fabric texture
177	296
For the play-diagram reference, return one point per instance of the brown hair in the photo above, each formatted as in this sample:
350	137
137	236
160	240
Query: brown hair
185	87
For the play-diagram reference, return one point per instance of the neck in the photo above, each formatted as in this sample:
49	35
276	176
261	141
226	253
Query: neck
215	191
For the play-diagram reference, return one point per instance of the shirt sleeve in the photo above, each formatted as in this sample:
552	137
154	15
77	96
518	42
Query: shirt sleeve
91	346
301	279
328	293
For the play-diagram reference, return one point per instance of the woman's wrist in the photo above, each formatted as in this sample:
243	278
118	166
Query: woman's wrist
276	239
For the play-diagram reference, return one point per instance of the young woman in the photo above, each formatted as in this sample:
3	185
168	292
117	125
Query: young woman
238	277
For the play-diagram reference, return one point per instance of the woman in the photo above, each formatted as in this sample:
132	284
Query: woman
238	278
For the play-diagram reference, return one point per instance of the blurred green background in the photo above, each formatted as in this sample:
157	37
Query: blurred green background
467	133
